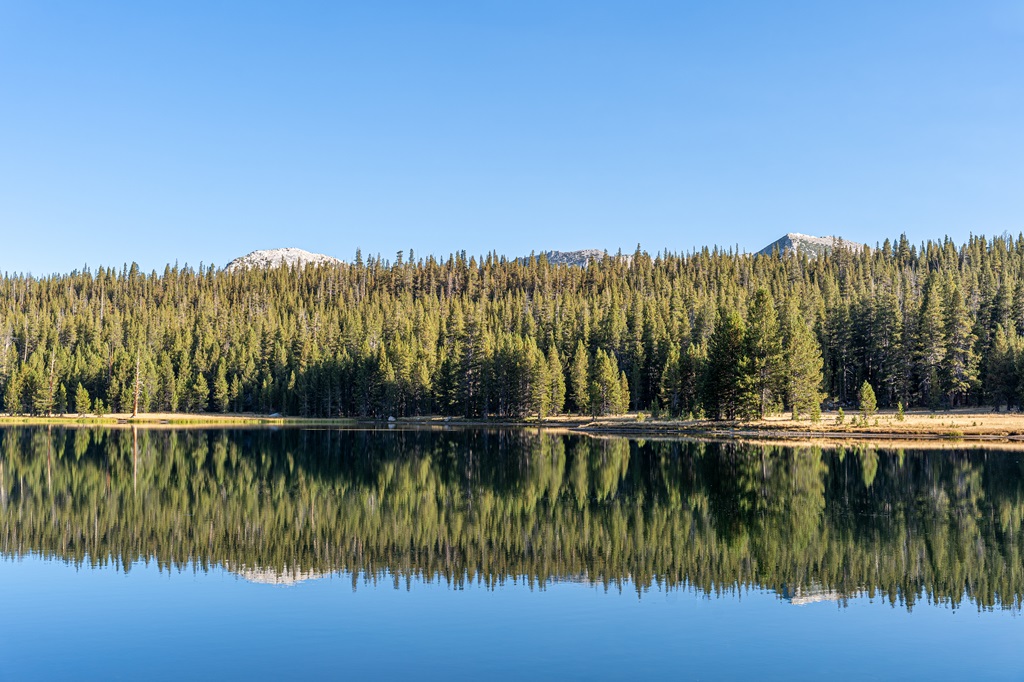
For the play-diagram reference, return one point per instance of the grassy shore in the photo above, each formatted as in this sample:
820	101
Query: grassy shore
169	419
965	424
952	425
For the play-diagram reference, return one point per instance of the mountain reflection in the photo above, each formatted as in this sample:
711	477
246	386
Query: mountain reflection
289	504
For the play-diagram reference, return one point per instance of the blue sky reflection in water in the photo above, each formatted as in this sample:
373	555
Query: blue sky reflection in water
103	623
933	535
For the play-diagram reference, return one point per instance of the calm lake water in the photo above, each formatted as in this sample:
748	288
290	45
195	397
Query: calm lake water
283	553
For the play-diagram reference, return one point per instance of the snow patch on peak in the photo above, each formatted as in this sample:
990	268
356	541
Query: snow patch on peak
580	258
275	258
794	242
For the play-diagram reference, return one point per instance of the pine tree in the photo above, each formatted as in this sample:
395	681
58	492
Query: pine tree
13	394
960	365
802	364
724	371
62	399
169	394
931	344
866	400
763	378
606	386
200	394
671	392
691	366
886	356
221	389
623	403
83	403
42	397
235	394
1003	376
530	363
556	381
580	380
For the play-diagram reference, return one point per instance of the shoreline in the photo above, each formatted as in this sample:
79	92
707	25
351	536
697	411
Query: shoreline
975	426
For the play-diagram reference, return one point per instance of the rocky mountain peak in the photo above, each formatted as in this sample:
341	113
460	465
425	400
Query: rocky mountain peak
794	242
275	258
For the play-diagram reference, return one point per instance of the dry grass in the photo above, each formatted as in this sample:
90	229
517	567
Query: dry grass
165	418
951	424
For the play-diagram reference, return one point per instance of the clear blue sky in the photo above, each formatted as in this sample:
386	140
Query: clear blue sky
156	132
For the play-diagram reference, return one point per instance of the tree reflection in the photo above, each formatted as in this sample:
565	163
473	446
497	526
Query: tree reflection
499	505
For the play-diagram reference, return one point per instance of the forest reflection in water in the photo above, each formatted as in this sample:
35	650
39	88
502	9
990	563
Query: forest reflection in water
492	505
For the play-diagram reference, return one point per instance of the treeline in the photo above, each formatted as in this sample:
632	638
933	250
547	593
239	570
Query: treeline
493	506
710	334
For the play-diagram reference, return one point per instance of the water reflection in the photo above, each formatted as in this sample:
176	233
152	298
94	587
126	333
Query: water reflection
290	505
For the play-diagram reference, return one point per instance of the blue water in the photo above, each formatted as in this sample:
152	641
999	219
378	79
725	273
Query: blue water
63	622
273	554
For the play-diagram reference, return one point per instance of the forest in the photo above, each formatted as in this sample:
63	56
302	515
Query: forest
708	334
485	505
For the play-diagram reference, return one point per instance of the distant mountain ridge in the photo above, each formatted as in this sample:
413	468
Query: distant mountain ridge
580	258
794	242
275	258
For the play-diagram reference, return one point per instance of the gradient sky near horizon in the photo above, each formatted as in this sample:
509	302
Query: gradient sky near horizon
199	131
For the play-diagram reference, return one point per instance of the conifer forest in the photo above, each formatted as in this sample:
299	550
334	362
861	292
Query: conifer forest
710	334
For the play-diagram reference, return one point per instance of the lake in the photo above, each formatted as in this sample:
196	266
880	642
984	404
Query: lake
502	554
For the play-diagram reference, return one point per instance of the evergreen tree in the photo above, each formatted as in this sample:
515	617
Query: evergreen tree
221	389
802	364
866	399
13	394
691	366
762	371
556	381
886	360
623	403
960	365
540	399
42	397
724	373
62	399
931	344
606	386
200	394
168	394
580	379
1003	375
83	403
672	381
